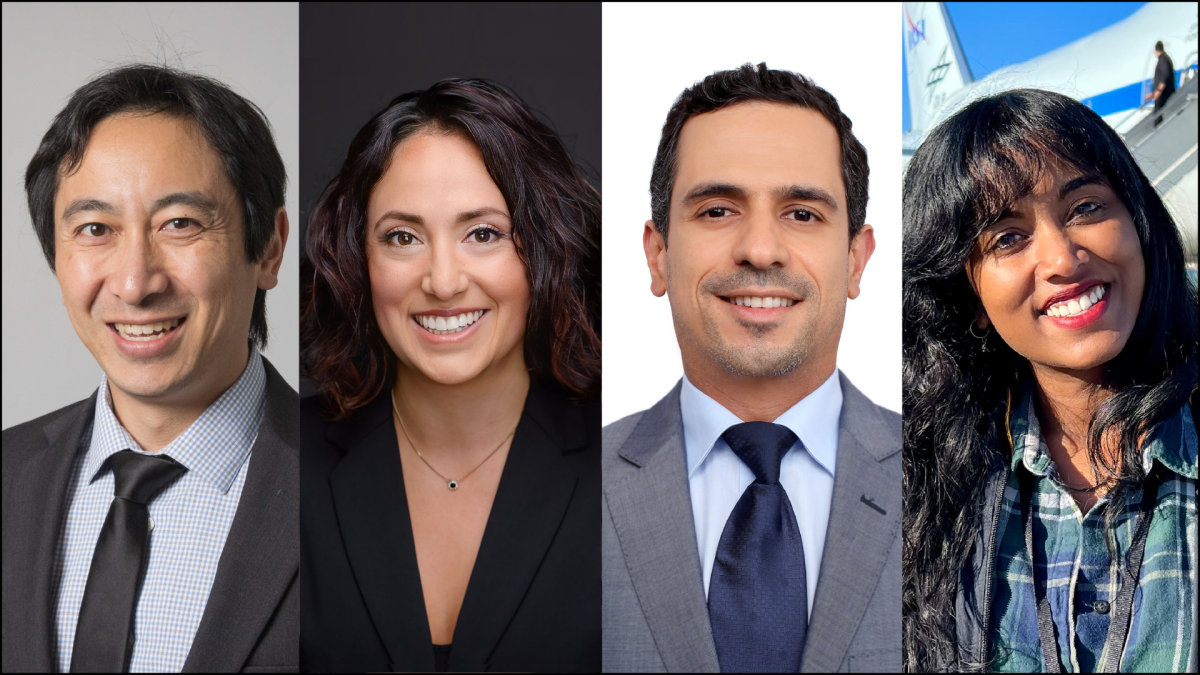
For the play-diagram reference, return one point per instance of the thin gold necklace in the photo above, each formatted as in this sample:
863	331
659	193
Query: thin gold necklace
451	483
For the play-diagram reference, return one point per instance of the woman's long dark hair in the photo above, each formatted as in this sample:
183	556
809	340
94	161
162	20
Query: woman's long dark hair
967	172
556	227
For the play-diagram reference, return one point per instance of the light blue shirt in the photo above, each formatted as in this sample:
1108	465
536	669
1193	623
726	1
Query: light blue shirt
189	521
717	477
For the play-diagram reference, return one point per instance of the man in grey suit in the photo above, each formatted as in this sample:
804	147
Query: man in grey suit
154	526
752	516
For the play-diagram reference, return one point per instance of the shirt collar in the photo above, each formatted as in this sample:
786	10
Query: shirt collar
814	420
213	447
1173	442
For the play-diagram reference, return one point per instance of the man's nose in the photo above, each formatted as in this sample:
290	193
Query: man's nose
139	269
760	242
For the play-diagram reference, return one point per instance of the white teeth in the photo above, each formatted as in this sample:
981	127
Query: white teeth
1077	305
145	332
758	301
442	325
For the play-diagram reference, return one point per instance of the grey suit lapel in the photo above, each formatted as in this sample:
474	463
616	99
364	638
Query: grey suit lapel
261	557
37	505
652	514
863	520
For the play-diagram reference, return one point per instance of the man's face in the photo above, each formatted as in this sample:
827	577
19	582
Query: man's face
150	257
759	264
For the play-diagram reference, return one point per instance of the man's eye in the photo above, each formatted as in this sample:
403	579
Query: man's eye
716	212
803	215
94	230
179	223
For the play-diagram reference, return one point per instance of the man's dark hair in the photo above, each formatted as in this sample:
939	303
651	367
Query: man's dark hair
756	83
236	128
1158	46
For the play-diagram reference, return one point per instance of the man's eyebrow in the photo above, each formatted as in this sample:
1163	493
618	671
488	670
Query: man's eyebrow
807	193
706	190
479	213
1074	184
82	205
196	200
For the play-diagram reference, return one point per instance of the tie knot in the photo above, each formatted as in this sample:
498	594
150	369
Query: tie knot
137	478
761	445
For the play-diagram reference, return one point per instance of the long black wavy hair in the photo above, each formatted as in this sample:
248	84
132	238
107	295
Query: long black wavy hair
968	171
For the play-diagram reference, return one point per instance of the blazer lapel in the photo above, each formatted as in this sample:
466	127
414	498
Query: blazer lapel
372	512
37	506
261	557
652	514
863	520
535	490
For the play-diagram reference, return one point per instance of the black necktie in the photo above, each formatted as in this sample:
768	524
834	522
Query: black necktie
758	593
104	633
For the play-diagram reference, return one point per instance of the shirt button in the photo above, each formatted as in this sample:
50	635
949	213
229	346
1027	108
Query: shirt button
1101	607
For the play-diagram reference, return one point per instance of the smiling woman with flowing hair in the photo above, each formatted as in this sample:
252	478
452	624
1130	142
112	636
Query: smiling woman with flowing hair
1049	358
450	471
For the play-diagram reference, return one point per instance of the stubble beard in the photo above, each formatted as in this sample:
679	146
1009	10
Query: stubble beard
755	357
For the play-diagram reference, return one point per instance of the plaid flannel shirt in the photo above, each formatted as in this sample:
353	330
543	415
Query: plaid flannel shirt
1075	571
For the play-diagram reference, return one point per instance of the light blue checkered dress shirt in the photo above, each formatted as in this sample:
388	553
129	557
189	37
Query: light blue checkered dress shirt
189	521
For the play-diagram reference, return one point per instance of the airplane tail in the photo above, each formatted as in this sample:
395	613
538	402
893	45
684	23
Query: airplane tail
936	66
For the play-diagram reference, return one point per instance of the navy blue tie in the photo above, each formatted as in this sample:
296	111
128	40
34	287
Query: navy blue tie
758	593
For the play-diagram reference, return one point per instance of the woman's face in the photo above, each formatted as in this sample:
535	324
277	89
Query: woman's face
1061	276
449	292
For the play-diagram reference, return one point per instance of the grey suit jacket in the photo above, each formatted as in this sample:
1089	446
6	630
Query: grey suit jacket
655	612
252	620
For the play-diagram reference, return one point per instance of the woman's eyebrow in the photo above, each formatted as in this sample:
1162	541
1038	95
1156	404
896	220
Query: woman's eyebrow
479	213
1076	183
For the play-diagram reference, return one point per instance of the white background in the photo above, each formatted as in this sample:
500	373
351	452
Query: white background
652	52
50	49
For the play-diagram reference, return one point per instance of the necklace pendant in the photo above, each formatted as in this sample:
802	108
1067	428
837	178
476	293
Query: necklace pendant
453	485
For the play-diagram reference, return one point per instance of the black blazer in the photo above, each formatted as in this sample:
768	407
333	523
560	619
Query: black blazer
533	599
252	620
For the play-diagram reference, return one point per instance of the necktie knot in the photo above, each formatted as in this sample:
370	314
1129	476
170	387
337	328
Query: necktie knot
761	445
137	478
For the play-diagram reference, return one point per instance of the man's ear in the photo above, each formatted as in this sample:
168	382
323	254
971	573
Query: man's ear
656	258
861	249
268	267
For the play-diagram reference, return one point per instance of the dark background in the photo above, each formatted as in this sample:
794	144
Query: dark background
356	57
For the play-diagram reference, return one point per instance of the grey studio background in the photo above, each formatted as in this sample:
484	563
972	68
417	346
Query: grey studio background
51	49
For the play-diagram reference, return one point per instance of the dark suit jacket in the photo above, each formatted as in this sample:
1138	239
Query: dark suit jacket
533	600
252	620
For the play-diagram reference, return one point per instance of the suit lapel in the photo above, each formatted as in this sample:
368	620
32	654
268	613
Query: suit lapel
535	490
372	512
858	537
37	507
261	557
652	513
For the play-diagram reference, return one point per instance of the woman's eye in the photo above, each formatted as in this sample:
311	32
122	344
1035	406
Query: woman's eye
94	230
802	215
402	237
485	235
1088	208
1007	241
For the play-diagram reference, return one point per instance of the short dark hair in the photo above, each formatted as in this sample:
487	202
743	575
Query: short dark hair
1158	47
236	128
556	228
756	83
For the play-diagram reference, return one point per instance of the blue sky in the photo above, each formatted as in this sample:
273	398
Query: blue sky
998	34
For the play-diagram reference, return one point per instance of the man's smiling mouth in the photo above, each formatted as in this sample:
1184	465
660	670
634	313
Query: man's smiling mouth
147	332
757	301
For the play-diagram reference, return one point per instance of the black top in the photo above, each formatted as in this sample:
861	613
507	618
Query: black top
1164	73
533	599
441	658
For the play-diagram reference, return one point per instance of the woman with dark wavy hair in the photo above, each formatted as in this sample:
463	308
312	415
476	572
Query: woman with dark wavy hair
1049	358
451	464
